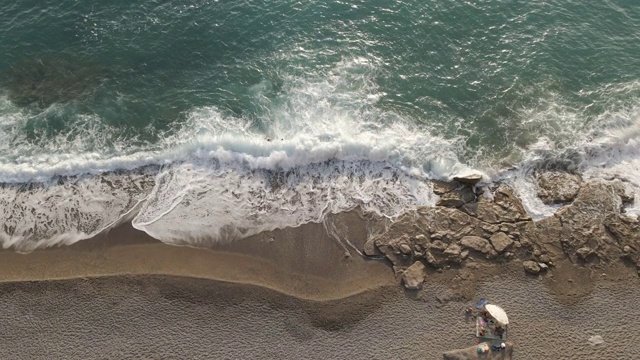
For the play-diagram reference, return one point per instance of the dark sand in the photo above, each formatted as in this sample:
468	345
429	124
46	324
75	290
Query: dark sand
156	317
290	294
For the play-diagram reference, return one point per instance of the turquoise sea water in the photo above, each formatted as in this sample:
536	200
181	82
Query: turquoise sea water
344	103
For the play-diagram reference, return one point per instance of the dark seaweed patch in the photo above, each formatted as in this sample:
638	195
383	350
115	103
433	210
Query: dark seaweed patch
45	80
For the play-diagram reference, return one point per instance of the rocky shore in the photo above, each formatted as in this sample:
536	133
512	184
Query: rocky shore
473	227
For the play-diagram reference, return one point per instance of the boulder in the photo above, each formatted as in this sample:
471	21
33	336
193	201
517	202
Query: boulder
531	267
476	243
405	249
421	240
500	241
558	187
453	250
544	258
470	179
453	253
438	245
370	249
413	277
442	187
584	252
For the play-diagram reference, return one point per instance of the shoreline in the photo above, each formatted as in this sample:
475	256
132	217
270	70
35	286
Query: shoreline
287	265
465	234
309	284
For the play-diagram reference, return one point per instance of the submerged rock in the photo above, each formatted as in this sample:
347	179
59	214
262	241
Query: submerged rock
46	80
414	276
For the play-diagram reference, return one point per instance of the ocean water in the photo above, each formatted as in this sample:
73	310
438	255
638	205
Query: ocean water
203	121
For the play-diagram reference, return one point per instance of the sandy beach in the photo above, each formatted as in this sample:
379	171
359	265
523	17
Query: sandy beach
320	180
125	295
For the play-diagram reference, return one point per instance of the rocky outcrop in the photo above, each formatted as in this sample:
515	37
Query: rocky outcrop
558	187
491	224
413	277
503	207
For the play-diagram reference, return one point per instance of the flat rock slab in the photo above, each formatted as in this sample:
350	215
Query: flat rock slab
500	241
413	277
476	243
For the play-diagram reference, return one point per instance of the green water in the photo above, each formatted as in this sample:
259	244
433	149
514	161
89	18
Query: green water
497	74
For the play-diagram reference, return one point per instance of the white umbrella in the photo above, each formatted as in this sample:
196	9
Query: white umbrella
497	313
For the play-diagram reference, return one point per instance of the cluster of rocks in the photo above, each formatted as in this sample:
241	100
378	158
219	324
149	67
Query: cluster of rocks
473	223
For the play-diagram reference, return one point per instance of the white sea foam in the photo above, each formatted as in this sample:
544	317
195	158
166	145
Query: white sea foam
323	147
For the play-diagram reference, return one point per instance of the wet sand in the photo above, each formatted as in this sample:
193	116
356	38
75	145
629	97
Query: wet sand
288	294
303	262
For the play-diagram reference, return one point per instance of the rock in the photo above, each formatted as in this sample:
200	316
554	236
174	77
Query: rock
443	187
584	252
457	198
464	254
438	245
370	248
596	340
558	187
470	179
492	228
421	240
431	260
453	253
531	267
405	249
620	190
503	207
626	248
413	277
543	266
500	241
544	258
537	252
472	353
453	250
476	243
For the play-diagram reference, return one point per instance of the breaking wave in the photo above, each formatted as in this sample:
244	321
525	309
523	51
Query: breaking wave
325	145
